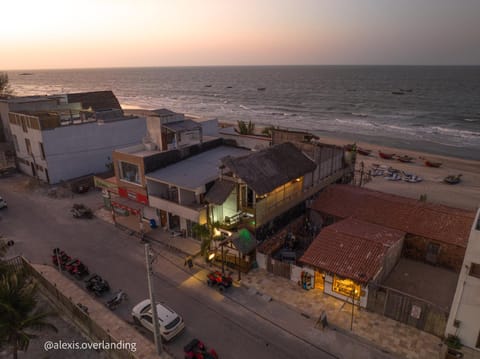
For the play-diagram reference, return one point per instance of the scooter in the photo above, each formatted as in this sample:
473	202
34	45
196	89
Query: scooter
113	303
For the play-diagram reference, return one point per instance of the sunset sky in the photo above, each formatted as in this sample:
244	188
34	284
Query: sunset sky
115	33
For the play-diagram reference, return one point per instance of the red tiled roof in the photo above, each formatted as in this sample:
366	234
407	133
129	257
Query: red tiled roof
351	249
434	221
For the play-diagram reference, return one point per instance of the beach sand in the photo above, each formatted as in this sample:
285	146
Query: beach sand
464	195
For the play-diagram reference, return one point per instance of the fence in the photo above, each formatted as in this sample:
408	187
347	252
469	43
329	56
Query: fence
64	304
407	309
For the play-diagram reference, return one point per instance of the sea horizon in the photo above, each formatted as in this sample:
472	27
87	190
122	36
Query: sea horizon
437	112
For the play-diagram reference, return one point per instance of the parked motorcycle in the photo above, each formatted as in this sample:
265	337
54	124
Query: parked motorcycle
61	257
116	300
77	268
97	285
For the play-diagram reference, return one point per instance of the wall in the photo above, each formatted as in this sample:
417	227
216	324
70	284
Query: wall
24	159
210	127
466	303
247	141
450	256
77	150
391	259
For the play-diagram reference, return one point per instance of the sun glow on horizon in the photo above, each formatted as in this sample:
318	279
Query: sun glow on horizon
123	33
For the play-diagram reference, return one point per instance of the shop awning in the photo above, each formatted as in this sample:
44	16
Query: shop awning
219	192
127	204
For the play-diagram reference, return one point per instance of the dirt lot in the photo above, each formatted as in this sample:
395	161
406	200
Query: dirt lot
437	285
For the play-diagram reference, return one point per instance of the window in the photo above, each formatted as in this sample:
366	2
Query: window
129	172
29	146
42	150
24	124
15	141
475	270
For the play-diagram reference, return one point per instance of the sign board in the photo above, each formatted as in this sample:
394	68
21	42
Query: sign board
416	312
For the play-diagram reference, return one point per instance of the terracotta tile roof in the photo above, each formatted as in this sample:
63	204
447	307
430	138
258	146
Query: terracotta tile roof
351	249
434	221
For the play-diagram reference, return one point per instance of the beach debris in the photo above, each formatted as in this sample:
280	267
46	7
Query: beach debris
452	179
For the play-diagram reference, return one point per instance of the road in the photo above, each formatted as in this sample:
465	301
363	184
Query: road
237	325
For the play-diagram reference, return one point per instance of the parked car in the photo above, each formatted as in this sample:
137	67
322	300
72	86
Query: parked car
3	203
170	323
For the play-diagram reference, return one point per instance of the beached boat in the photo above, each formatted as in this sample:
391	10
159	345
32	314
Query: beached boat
405	159
386	156
261	88
432	164
364	151
452	179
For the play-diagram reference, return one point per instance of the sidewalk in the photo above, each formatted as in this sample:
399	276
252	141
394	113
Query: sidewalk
373	329
383	332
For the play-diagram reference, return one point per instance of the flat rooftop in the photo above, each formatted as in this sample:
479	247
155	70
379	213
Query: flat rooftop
194	172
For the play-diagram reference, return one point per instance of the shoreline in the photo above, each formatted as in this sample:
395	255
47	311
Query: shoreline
465	195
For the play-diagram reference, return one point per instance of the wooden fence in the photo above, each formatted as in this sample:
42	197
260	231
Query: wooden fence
407	309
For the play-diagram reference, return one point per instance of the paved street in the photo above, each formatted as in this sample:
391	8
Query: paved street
238	325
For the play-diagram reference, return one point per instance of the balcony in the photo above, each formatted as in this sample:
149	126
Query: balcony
192	212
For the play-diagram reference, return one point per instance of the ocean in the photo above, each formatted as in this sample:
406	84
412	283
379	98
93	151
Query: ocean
428	108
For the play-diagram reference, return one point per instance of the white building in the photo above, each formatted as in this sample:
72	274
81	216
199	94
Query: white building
74	141
464	319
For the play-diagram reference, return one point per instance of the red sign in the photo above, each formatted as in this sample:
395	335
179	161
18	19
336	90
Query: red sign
138	197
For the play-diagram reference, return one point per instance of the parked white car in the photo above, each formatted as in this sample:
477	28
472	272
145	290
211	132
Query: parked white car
3	203
170	323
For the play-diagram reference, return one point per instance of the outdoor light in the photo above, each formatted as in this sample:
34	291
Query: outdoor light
211	256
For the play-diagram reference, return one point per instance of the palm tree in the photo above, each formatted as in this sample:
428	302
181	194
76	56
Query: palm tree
19	313
246	128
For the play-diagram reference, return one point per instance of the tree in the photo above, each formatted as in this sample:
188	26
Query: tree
267	131
5	88
246	128
19	313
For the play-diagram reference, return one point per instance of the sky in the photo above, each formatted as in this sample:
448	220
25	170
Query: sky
128	33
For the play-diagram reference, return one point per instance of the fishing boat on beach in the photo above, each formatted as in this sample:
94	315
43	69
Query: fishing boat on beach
405	159
452	179
386	156
364	151
432	164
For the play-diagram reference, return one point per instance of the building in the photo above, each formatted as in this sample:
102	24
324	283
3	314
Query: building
179	190
255	189
171	138
435	233
464	318
349	255
74	137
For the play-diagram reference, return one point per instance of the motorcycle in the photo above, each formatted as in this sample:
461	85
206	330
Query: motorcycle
115	301
77	268
61	257
97	285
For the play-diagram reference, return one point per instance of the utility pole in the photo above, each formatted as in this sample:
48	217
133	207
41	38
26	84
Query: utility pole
156	330
353	307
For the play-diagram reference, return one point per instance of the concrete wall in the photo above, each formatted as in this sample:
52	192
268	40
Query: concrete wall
466	303
77	150
391	259
450	255
247	141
